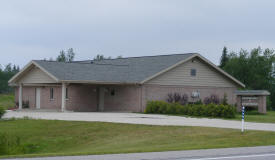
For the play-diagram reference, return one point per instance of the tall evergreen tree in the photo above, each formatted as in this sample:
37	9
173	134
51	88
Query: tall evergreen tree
5	74
224	57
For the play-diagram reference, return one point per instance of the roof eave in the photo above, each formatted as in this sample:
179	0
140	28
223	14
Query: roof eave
99	82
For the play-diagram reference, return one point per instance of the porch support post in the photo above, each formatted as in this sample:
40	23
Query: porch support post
101	98
20	95
63	102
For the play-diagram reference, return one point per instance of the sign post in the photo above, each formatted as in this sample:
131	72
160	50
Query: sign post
243	110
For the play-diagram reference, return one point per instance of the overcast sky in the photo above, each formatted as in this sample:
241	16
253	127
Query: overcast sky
38	29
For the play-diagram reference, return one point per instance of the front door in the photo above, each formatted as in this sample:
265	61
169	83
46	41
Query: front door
37	98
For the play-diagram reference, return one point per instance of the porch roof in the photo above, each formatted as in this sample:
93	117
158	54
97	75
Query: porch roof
252	93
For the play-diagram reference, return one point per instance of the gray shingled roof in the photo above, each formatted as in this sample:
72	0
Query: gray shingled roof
121	70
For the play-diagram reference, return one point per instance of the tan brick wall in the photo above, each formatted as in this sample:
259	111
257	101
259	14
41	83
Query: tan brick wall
46	102
131	98
28	94
126	98
85	98
81	98
157	92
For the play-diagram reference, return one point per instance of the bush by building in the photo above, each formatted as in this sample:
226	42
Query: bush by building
204	110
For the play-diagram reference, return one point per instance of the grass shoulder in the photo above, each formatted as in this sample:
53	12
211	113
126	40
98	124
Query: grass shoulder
254	116
53	138
251	116
7	100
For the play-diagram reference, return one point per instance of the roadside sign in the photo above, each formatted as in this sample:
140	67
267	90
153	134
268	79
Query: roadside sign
243	110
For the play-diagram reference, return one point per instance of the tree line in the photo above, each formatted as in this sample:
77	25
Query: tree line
69	55
254	68
5	75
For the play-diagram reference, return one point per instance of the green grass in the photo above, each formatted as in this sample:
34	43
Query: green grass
7	100
52	137
254	116
250	116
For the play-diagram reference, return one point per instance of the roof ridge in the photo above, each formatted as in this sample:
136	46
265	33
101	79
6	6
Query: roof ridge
147	56
118	58
84	63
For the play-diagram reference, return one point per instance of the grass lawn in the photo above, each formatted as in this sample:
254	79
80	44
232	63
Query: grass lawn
254	116
7	100
52	137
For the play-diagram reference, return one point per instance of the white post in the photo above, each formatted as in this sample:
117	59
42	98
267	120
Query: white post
20	96
243	119
101	98
63	102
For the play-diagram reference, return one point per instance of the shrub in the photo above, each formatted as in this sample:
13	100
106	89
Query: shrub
179	108
26	104
212	99
177	97
198	102
170	98
210	110
156	107
184	99
162	106
2	111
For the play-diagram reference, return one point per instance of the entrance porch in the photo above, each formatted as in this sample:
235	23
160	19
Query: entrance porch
79	97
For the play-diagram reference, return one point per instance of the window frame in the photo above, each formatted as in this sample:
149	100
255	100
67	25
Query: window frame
67	93
193	72
51	93
112	92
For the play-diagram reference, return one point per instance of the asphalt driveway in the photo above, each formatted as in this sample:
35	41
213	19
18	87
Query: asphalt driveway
136	118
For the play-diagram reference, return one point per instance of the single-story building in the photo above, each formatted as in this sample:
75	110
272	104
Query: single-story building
122	84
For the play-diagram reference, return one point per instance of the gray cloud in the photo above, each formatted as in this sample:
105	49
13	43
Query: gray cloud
40	29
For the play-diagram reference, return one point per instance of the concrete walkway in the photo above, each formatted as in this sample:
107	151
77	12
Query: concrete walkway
135	118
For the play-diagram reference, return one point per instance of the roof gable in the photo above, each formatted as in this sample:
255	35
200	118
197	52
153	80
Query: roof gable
208	63
33	73
206	76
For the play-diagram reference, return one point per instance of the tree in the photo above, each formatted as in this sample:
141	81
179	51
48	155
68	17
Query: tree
224	57
101	57
255	69
63	57
5	74
70	55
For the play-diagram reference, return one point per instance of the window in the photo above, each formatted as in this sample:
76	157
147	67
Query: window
67	97
51	93
112	92
193	72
